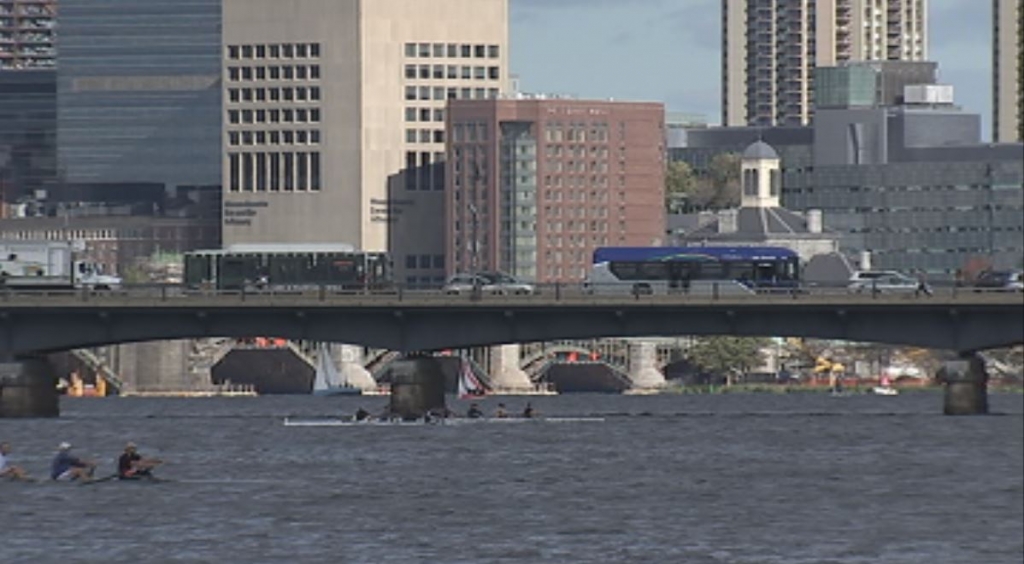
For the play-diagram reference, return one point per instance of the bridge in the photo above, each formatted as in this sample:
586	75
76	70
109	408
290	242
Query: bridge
32	323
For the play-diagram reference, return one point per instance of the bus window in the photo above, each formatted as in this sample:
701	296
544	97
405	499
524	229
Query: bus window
625	270
654	271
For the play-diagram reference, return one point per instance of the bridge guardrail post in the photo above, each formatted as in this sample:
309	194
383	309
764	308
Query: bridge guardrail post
242	293
558	291
321	292
400	291
163	292
714	291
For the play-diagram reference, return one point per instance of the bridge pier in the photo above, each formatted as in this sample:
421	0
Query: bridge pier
28	388
352	369
417	387
506	375
966	382
643	365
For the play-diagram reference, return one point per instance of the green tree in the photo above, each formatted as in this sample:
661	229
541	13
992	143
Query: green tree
724	178
680	184
728	356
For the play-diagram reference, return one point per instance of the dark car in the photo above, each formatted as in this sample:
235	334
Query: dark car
1000	280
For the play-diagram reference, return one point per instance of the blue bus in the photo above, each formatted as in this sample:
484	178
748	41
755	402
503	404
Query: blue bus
697	270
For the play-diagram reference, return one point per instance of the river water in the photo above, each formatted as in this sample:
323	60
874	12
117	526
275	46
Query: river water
801	478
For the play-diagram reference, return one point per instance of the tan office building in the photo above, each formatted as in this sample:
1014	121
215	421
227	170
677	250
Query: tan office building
771	47
331	105
1007	71
536	184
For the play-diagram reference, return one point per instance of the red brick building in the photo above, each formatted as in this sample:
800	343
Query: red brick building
534	185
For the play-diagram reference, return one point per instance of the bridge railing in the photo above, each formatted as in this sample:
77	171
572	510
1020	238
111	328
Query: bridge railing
575	292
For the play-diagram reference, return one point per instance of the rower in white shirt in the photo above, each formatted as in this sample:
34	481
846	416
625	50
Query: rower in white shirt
8	471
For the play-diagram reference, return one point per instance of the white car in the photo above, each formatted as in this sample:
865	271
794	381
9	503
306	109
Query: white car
882	281
487	283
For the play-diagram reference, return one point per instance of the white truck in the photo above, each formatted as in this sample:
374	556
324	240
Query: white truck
50	265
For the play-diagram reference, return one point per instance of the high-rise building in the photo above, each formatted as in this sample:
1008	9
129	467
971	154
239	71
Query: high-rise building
1008	71
139	92
771	47
124	136
536	184
336	117
28	100
27	34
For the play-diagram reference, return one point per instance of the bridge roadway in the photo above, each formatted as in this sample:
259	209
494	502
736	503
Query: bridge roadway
959	321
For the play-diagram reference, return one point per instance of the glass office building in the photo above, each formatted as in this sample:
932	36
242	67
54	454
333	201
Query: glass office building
139	96
28	131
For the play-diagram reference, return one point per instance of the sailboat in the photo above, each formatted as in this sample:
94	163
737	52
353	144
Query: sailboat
327	381
469	385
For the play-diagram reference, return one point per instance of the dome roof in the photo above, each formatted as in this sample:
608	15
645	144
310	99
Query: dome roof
759	151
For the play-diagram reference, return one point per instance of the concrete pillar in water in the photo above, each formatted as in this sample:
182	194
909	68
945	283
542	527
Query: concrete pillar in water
506	375
966	382
351	369
417	386
28	388
643	365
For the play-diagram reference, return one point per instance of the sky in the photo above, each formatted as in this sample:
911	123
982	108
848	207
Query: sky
669	50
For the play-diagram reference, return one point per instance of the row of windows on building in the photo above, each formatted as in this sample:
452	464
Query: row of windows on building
424	262
287	137
452	51
274	51
424	136
274	72
424	171
452	72
274	172
413	114
441	93
286	94
274	115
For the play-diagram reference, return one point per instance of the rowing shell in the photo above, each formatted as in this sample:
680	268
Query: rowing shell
294	422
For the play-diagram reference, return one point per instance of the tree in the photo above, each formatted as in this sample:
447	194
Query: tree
728	356
680	184
724	176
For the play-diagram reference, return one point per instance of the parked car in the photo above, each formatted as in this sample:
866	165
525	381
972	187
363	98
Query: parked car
1000	280
487	283
881	281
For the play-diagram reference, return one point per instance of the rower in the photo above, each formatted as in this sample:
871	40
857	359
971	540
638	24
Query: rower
8	471
501	413
474	411
69	467
362	414
528	411
132	466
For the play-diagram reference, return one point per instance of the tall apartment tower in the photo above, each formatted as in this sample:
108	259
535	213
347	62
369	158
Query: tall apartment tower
536	184
28	99
27	39
1007	71
770	49
335	117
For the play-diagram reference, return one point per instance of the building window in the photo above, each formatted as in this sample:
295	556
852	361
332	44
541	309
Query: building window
286	51
246	73
314	172
314	50
776	180
261	172
314	115
410	71
410	114
466	51
274	51
410	49
492	52
410	135
493	73
233	52
233	74
247	170
289	172
410	262
300	72
479	51
314	72
233	162
275	171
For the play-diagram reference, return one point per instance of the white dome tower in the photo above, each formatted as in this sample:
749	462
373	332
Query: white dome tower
760	176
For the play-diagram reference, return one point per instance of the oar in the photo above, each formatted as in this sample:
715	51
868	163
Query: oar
98	480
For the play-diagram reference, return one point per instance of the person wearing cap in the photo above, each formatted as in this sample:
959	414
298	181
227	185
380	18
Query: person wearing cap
132	466
8	471
68	467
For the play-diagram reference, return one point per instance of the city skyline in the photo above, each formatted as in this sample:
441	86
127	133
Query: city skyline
554	44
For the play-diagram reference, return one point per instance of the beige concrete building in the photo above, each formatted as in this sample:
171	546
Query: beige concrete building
1007	71
771	47
335	116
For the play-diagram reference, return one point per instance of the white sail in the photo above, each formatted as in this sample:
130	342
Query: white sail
327	376
469	384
